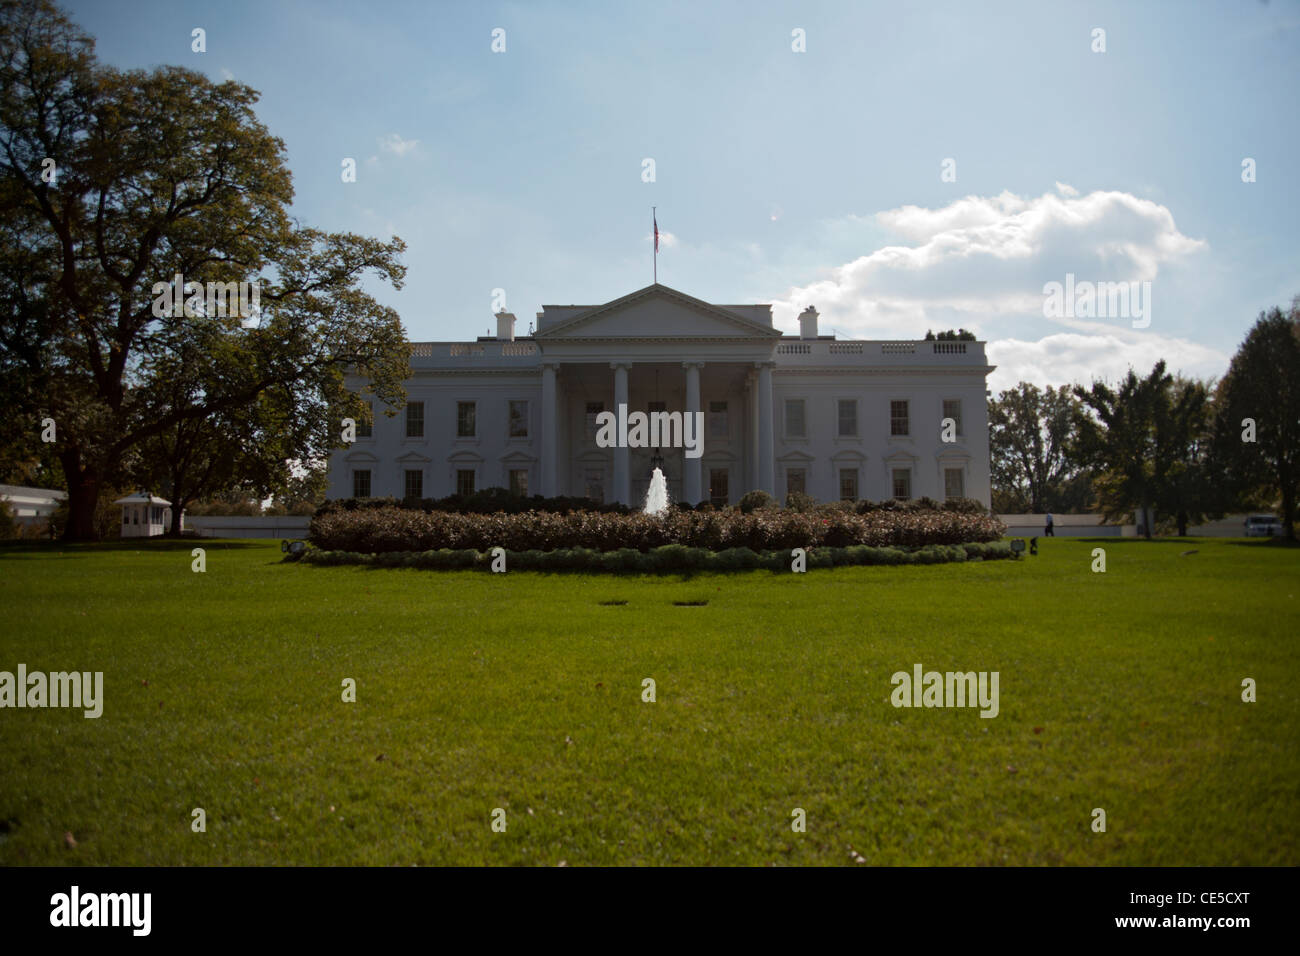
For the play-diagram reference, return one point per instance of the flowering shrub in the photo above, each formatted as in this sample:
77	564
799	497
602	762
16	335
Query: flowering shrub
376	530
666	559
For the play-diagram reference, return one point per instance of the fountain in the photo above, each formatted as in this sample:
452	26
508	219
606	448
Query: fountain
656	499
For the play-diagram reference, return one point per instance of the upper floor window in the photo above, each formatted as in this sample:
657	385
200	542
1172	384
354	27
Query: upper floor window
718	420
415	419
518	419
466	426
365	428
795	426
952	409
848	417
590	427
898	418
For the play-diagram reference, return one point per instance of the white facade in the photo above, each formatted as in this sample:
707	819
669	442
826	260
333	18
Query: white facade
833	418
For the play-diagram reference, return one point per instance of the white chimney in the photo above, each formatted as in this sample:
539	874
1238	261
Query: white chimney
808	323
505	326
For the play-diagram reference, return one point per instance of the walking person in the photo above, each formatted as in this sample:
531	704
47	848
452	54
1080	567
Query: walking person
1050	530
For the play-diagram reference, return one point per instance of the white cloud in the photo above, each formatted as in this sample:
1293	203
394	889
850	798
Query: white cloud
666	239
226	74
1107	353
989	257
393	143
982	262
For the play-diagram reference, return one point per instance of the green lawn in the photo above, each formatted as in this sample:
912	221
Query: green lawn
523	691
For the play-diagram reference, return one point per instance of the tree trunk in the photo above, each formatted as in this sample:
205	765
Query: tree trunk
83	500
178	510
1288	511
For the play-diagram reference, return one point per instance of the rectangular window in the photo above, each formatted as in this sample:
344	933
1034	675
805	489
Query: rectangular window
718	420
465	481
718	491
415	419
361	483
952	409
126	516
465	423
796	479
593	409
954	483
794	422
519	482
848	484
365	428
414	483
903	483
898	419
518	419
848	416
594	484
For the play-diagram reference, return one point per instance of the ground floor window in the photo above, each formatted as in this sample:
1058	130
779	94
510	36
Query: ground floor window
414	485
464	481
594	484
519	482
954	484
848	484
903	483
719	494
361	483
796	479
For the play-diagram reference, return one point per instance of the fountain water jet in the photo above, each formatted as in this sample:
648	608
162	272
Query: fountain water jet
656	498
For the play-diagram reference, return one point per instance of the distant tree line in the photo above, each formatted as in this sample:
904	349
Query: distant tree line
1177	449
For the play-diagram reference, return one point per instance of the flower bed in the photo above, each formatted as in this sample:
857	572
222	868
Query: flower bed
380	530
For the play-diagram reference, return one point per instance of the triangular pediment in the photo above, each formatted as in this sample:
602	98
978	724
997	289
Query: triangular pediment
655	312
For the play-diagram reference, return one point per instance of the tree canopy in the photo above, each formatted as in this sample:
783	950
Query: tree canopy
111	184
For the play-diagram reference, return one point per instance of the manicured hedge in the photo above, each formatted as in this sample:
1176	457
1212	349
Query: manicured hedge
378	530
668	558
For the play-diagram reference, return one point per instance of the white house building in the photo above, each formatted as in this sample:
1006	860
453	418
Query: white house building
836	419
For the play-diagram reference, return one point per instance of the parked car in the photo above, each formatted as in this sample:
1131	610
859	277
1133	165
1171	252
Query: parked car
1262	526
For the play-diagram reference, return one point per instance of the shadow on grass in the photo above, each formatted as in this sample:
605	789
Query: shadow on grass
79	549
1190	539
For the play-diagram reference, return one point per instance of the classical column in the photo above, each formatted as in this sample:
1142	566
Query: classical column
691	485
766	464
751	430
622	472
550	436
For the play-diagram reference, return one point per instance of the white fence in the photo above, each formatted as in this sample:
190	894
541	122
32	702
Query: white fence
1065	526
237	526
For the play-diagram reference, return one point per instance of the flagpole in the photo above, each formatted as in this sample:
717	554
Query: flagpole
654	219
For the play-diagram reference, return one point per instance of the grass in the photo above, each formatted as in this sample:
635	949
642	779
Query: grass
524	691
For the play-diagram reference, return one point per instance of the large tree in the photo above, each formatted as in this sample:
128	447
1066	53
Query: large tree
1187	488
1117	436
156	174
1257	434
1031	440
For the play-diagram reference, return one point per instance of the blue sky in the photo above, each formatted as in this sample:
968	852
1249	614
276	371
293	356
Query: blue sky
784	177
